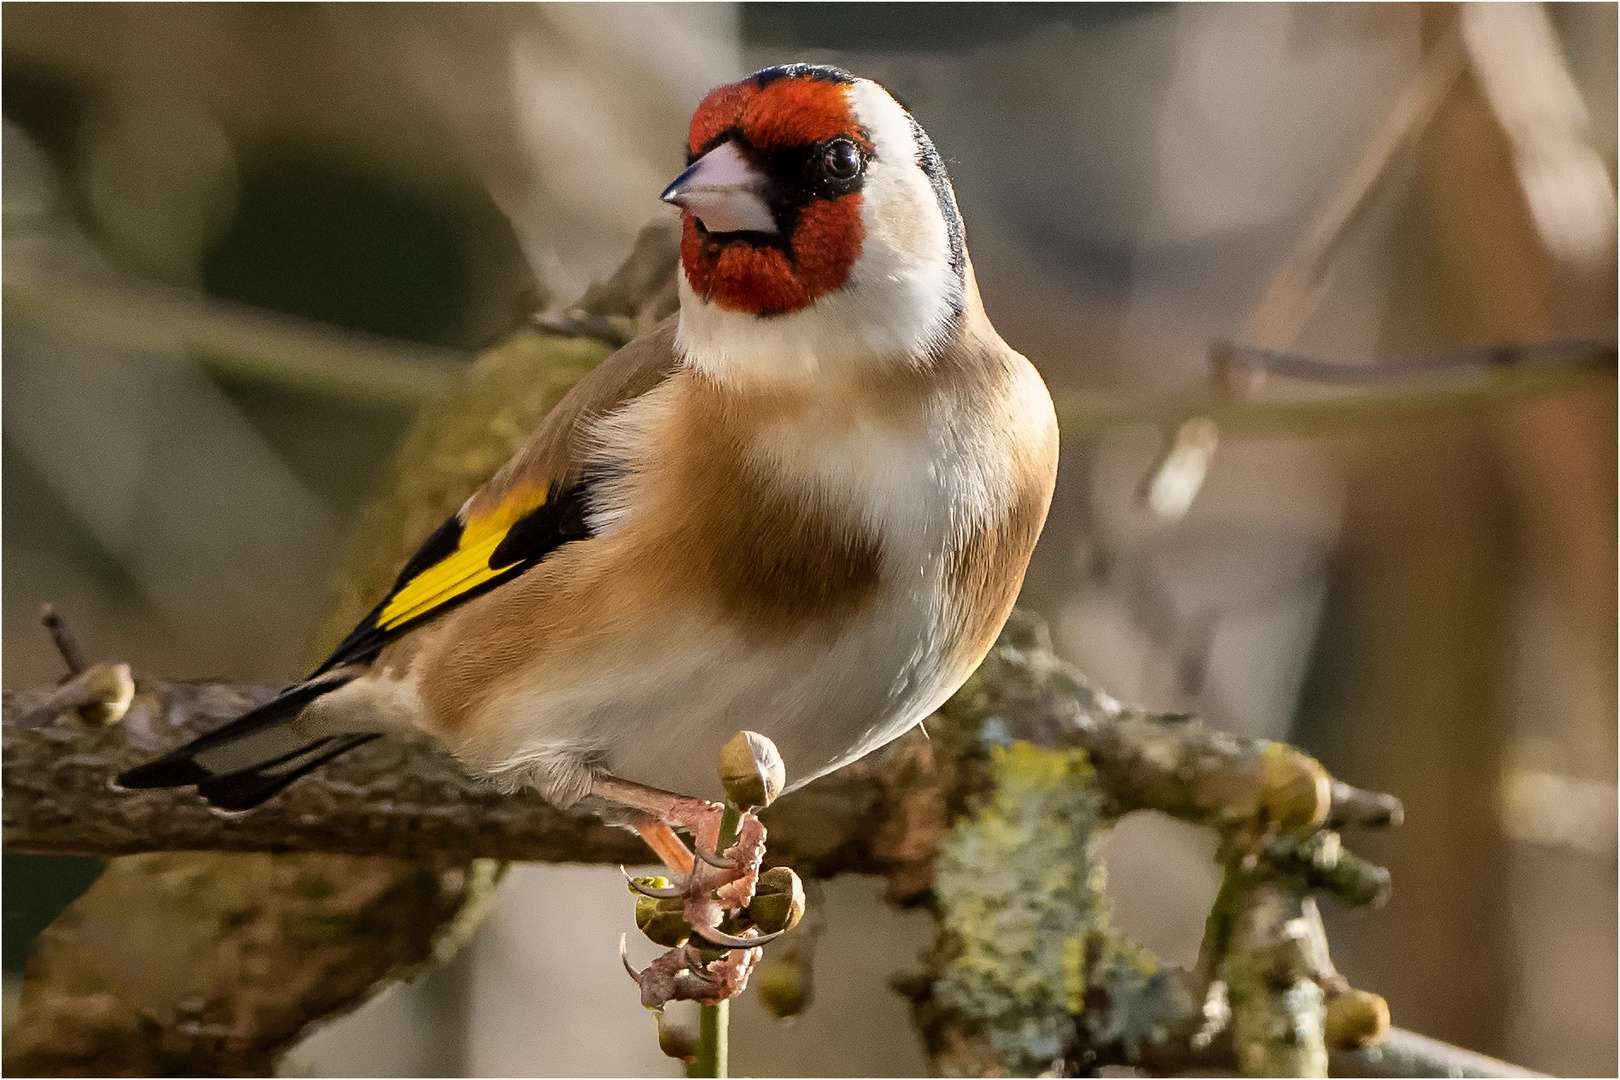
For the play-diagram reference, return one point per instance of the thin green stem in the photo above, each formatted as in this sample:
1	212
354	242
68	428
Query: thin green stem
714	1041
714	1021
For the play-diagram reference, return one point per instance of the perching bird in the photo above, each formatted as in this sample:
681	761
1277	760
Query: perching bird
804	505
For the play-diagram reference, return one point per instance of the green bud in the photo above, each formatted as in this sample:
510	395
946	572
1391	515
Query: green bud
778	902
113	688
1354	1019
751	770
1296	792
783	985
676	1041
663	921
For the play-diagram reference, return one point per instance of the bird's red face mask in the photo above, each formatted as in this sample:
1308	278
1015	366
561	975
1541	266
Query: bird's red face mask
771	199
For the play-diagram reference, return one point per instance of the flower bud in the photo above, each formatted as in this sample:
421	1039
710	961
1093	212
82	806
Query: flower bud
1354	1019
783	985
676	1041
663	921
751	770
778	902
1296	791
113	688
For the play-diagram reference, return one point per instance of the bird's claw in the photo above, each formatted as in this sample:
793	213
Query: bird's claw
624	958
730	941
655	892
715	881
719	888
719	862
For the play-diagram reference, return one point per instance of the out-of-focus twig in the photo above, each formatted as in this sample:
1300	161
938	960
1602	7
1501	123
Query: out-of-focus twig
1406	1053
1296	287
63	638
229	337
1554	372
1514	56
1292	295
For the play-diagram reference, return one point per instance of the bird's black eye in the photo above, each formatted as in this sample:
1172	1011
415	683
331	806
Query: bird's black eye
841	159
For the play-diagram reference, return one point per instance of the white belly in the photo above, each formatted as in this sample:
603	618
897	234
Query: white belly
657	710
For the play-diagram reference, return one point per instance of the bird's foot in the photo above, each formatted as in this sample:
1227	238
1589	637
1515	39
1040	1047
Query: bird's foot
714	915
691	973
730	874
704	915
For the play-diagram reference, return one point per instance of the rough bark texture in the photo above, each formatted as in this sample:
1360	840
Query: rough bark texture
182	964
884	814
1026	768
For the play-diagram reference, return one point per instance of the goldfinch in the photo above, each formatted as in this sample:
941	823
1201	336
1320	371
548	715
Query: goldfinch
803	505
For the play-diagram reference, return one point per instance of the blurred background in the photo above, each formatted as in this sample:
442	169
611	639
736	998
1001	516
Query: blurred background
1429	605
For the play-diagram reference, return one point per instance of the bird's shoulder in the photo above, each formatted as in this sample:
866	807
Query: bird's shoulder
537	502
558	451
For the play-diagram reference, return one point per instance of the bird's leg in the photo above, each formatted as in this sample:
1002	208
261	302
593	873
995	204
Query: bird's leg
662	809
717	883
666	845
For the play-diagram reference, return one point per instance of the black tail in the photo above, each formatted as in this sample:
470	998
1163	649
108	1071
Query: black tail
251	758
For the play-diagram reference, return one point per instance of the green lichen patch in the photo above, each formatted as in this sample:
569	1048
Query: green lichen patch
1020	888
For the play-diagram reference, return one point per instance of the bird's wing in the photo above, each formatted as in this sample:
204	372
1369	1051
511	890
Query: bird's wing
537	502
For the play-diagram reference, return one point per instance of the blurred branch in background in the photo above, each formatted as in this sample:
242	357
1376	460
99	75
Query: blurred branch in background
285	351
1514	57
226	337
1449	530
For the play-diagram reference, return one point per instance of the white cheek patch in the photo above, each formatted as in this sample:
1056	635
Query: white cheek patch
903	294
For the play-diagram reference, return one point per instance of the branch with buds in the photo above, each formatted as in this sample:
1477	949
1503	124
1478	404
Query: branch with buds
1027	750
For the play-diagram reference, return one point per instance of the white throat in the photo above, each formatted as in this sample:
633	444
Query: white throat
903	294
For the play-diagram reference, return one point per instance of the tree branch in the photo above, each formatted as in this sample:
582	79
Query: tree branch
890	814
397	797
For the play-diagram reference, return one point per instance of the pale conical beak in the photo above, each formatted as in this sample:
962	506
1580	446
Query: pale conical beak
724	191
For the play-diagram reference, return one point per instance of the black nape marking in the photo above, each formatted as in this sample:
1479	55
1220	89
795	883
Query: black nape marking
933	166
820	72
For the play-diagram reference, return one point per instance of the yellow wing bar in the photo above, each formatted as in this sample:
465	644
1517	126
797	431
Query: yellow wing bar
468	566
466	569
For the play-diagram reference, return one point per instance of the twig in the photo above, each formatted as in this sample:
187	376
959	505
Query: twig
65	642
99	693
1527	356
1295	289
229	337
1574	366
1406	1053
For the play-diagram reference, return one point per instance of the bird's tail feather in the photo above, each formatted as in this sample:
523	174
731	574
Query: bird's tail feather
251	758
248	788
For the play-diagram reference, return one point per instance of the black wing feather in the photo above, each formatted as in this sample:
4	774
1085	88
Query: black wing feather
562	518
